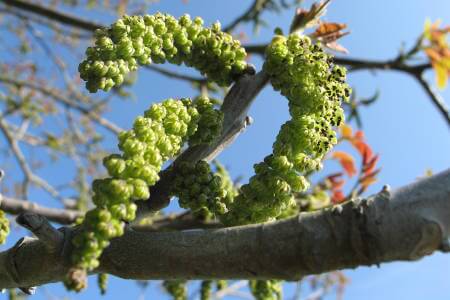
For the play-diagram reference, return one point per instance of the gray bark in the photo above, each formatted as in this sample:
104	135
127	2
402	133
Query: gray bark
408	224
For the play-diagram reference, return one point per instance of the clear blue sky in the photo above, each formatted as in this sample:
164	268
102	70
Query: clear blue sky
402	126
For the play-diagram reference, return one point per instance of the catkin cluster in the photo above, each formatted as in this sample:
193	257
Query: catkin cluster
198	188
314	87
176	288
210	122
155	137
266	289
142	40
102	282
206	290
4	227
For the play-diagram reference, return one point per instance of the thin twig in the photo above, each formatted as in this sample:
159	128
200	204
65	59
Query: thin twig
250	14
229	289
436	98
66	101
30	177
175	75
52	14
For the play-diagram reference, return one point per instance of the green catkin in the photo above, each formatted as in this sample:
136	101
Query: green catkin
227	183
314	87
266	289
221	284
205	290
102	282
142	40
176	288
197	188
210	122
4	227
156	137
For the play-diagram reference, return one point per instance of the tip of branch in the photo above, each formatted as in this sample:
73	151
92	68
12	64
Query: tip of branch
28	290
41	228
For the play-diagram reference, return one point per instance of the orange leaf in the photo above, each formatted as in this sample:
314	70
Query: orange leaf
432	54
347	162
368	181
346	131
359	135
328	28
362	148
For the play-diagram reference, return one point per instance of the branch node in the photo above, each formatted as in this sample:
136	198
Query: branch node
385	193
42	229
337	210
445	246
28	290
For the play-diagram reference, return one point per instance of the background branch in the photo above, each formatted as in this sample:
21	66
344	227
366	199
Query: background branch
53	14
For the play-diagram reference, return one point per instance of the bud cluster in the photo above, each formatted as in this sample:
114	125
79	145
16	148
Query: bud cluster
142	40
176	288
102	282
197	188
210	122
206	290
4	227
314	87
155	137
266	289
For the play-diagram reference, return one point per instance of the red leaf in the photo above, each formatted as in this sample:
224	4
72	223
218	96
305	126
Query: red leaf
370	164
362	148
347	162
337	197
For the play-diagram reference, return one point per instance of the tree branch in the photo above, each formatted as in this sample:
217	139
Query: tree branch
53	14
408	224
61	216
58	97
438	101
252	13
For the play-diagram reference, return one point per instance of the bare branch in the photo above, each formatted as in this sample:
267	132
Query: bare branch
251	13
52	14
30	177
17	206
438	101
42	229
175	75
66	101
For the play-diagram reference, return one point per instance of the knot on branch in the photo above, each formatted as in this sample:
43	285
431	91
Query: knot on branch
42	229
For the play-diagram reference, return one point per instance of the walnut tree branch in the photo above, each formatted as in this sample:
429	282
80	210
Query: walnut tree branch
407	224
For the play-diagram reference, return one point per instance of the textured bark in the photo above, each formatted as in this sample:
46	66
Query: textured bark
408	224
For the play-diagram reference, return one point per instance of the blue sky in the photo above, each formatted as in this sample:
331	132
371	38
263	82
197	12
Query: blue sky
402	126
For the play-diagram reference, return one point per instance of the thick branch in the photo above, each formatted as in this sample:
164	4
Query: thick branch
412	222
